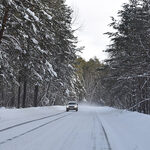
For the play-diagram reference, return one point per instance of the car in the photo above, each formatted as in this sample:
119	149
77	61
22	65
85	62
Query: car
72	105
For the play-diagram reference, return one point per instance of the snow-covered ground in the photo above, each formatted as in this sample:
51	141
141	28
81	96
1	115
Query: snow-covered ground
91	128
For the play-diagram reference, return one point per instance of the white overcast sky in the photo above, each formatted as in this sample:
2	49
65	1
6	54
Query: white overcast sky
93	17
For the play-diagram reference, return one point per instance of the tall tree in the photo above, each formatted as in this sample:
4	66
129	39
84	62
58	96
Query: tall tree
37	52
129	56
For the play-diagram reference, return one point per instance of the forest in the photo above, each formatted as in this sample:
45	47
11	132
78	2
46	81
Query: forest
39	64
37	52
128	78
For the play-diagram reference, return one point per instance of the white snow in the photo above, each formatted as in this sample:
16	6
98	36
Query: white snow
70	66
35	41
10	2
37	74
50	69
67	92
80	130
48	16
10	117
41	50
33	14
34	28
127	130
25	36
27	17
17	46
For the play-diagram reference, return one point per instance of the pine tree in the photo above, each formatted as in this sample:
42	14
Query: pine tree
37	52
129	55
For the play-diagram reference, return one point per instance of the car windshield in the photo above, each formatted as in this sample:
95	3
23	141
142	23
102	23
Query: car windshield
72	103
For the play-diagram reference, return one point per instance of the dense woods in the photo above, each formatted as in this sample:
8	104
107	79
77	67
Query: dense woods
128	67
37	51
39	66
123	80
90	77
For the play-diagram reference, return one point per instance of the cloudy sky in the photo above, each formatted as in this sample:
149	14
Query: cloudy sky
92	18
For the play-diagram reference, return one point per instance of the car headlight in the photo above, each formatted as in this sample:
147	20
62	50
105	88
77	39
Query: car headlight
67	106
75	106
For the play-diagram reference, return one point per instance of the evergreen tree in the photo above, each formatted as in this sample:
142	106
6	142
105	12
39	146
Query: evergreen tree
37	52
129	56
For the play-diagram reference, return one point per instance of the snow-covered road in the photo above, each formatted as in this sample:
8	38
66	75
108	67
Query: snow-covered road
72	130
91	128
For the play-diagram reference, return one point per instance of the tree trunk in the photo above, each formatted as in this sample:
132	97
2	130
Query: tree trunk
2	94
12	100
5	18
24	93
36	95
19	90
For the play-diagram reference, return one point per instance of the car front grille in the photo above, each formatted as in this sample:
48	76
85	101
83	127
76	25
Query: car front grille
71	107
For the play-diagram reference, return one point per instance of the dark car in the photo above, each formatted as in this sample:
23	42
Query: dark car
72	105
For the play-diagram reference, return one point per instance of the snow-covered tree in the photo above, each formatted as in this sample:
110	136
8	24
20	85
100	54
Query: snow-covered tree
129	57
37	50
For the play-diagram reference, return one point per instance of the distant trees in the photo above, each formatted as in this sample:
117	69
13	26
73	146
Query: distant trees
38	64
128	78
37	53
123	81
90	75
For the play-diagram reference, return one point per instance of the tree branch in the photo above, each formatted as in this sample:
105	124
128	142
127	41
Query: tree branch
4	22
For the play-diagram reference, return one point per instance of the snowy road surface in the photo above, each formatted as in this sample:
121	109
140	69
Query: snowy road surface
65	131
91	128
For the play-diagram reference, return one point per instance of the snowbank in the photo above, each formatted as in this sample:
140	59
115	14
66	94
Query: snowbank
126	130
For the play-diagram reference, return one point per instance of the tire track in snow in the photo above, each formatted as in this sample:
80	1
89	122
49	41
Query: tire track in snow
109	147
105	134
27	122
33	129
93	133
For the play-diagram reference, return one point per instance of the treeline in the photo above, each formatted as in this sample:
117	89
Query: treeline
37	52
123	80
38	60
127	82
90	77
